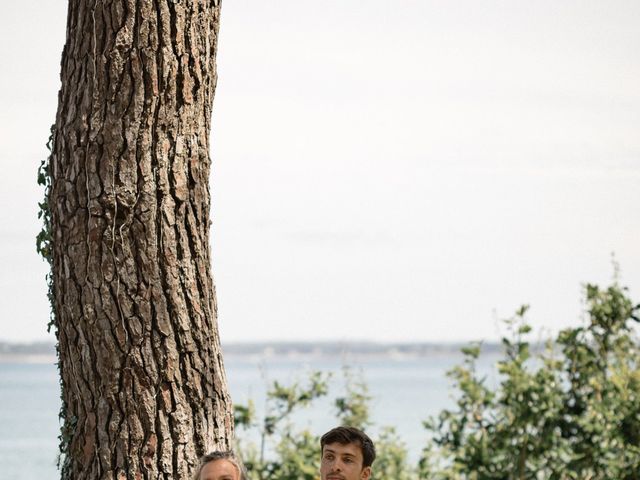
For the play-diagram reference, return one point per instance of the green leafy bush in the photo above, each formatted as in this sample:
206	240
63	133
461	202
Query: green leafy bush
295	452
567	410
571	411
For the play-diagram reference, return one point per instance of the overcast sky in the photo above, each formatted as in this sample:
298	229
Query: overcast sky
405	170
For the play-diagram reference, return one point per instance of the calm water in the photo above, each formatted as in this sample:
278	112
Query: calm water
405	392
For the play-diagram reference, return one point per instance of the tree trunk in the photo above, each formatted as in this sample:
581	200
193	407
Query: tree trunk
143	385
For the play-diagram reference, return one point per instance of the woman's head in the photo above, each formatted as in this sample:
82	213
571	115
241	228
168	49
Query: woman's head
220	466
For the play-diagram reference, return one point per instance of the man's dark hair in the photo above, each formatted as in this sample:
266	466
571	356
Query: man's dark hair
345	435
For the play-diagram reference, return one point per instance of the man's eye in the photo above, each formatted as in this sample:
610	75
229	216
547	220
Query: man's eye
348	460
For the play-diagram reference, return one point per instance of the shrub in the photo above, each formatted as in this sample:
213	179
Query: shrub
567	410
571	411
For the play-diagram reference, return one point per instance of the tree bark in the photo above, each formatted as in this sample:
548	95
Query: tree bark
143	384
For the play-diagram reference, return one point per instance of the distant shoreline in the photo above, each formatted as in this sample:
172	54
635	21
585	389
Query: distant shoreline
22	358
33	352
44	352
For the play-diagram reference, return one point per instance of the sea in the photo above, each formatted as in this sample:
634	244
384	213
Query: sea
405	390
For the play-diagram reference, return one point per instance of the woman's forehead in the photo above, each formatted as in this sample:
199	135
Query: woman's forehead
218	468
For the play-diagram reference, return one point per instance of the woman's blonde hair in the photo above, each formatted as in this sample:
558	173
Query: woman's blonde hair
221	455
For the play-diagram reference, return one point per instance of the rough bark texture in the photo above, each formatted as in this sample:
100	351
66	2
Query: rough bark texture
144	389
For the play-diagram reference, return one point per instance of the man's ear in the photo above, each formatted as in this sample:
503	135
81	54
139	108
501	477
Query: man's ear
366	473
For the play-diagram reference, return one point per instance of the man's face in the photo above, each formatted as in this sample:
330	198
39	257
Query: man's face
343	462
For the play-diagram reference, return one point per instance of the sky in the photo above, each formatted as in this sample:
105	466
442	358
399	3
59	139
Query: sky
384	171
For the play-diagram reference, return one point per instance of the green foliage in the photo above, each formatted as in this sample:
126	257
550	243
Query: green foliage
353	408
43	239
392	457
294	454
571	411
567	410
45	250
